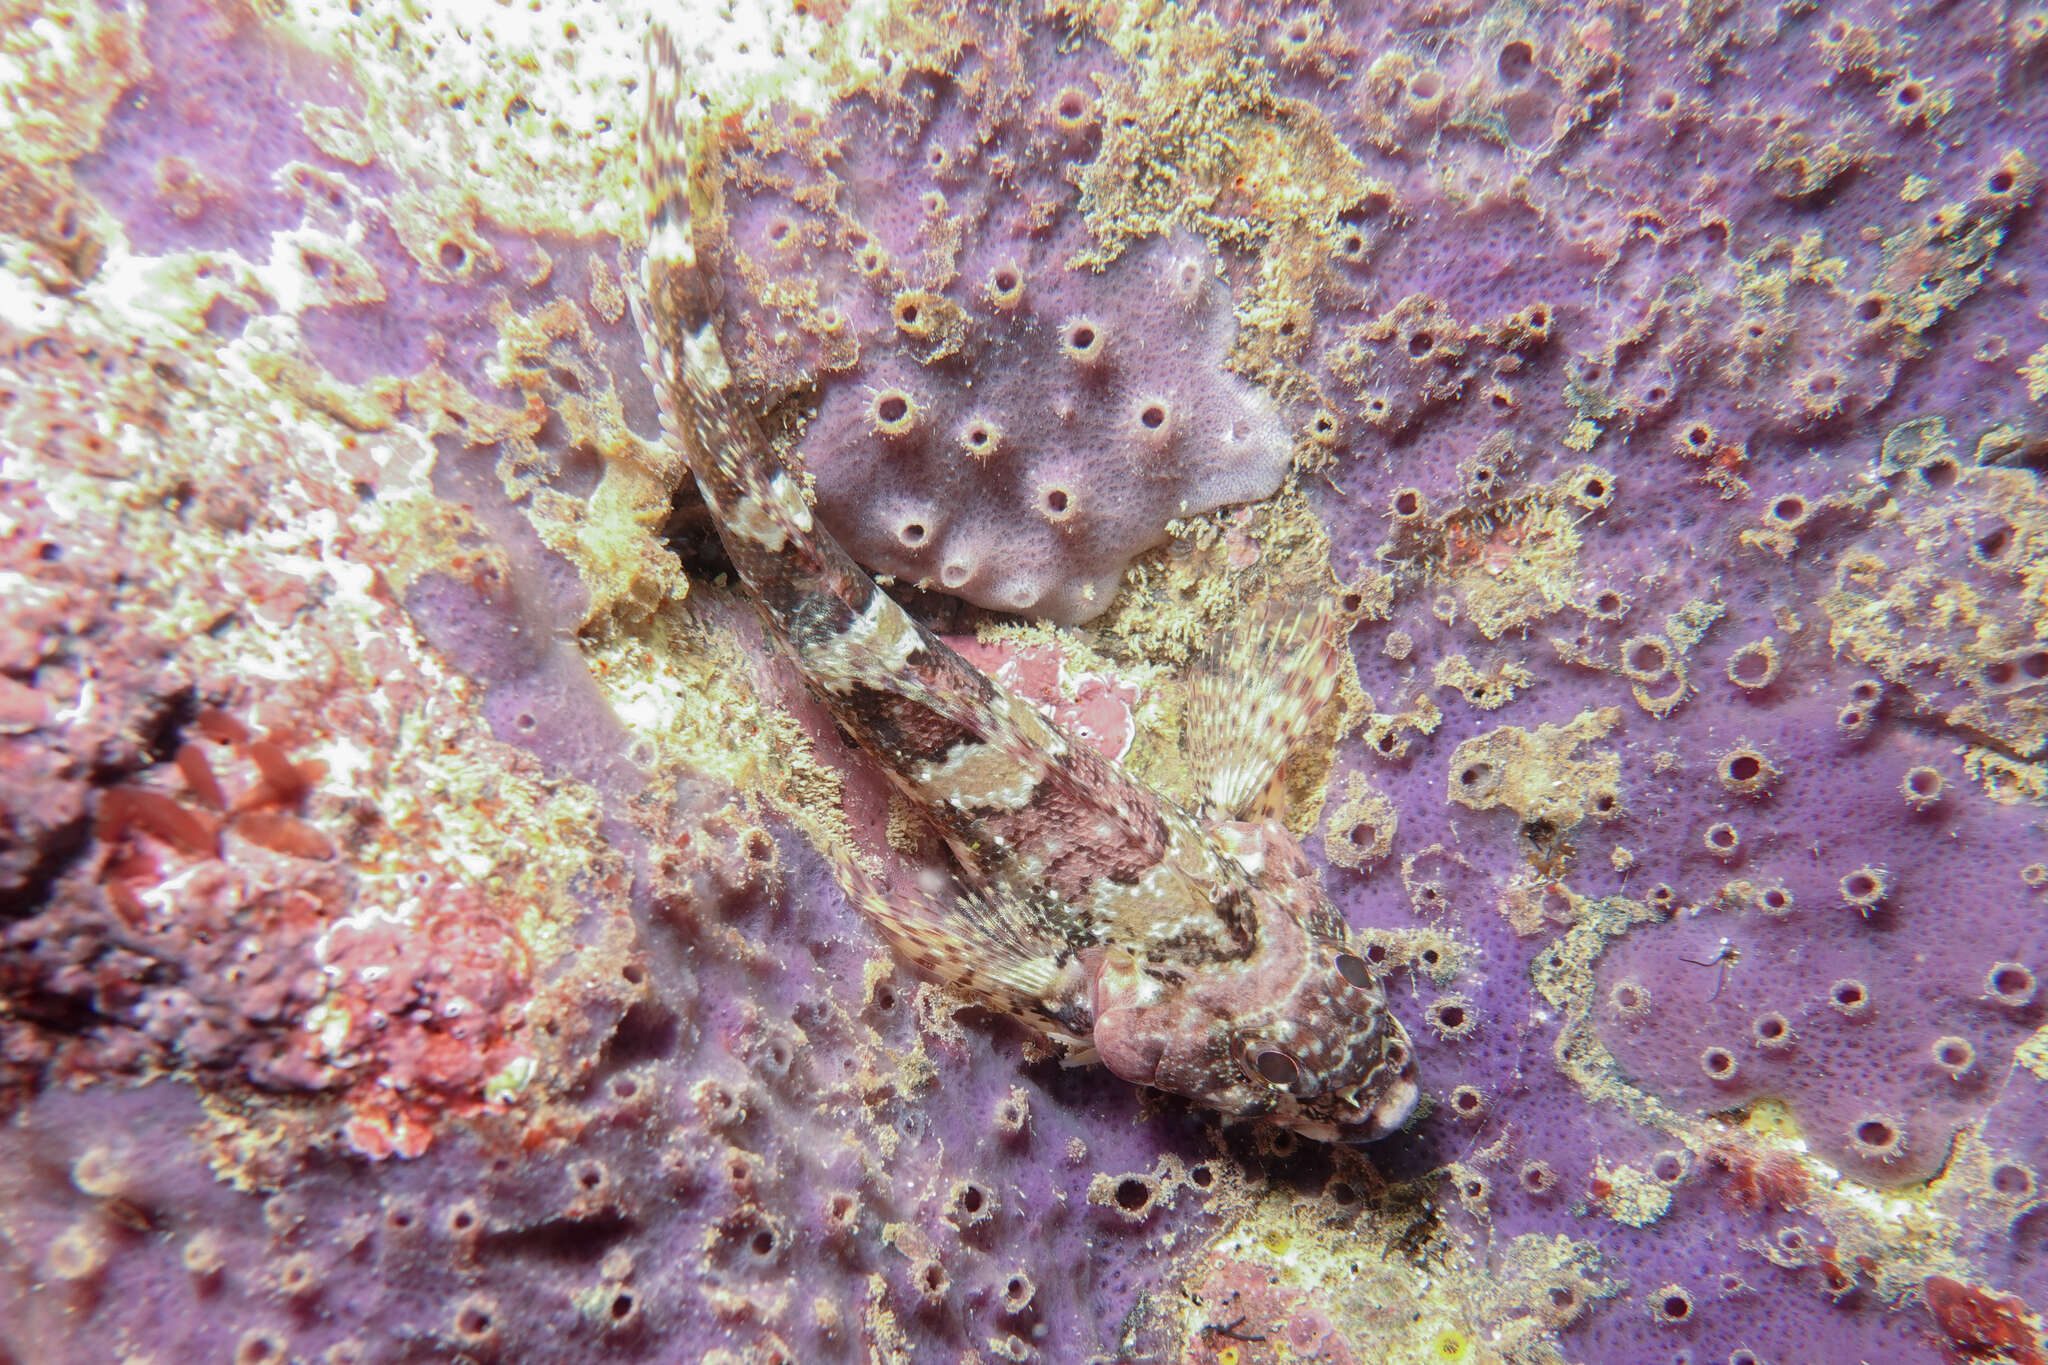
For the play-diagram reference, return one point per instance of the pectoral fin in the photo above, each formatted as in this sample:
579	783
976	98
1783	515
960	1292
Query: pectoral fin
1255	697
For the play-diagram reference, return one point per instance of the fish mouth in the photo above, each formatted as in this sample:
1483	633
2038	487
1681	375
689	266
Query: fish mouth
1395	1108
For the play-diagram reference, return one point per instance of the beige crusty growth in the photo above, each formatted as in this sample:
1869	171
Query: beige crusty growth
1193	951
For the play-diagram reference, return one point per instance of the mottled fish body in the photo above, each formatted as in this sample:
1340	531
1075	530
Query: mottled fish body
1193	951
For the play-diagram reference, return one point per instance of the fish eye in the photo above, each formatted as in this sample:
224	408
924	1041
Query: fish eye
1276	1066
1396	1055
1352	968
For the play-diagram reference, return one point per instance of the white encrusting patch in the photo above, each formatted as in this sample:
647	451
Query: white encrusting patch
978	776
874	649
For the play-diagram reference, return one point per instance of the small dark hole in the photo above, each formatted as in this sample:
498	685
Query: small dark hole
2013	982
1515	63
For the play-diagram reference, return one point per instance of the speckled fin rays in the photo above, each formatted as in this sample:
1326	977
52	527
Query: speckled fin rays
1254	698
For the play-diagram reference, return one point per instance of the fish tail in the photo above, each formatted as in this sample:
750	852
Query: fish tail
897	689
792	565
723	441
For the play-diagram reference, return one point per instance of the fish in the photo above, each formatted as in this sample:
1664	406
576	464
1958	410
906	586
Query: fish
1188	947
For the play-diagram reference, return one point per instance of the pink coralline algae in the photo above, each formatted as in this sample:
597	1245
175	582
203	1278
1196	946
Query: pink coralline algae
415	942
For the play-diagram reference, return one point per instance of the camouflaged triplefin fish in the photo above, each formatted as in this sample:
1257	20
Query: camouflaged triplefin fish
1191	951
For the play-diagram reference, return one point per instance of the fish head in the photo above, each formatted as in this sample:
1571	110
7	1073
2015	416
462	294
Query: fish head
1296	1030
1328	1056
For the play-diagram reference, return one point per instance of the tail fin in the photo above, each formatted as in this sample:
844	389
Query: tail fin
682	298
760	512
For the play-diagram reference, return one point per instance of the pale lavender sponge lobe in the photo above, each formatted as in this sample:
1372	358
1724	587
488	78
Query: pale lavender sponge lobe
933	266
1094	410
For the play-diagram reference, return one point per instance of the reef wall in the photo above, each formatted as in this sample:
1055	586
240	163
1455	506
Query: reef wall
413	944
